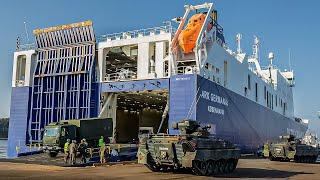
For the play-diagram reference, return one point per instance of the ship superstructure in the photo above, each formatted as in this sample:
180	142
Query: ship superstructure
150	78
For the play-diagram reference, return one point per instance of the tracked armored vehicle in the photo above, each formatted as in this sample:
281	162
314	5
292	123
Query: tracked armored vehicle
193	149
290	148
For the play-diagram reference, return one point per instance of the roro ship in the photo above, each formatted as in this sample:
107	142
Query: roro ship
149	79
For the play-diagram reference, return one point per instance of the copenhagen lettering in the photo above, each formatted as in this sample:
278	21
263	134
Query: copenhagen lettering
215	110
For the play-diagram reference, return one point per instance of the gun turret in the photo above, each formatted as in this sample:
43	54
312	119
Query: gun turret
289	138
188	127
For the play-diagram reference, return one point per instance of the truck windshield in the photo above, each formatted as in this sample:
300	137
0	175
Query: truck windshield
51	131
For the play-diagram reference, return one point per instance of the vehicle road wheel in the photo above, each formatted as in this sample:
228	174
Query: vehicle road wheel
225	166
210	168
200	167
314	159
234	164
222	166
151	165
229	167
271	158
53	154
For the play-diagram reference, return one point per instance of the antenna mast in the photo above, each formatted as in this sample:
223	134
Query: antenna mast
18	43
256	48
26	31
238	40
290	60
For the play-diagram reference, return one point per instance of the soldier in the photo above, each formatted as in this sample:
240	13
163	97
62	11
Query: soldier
101	141
82	150
66	151
102	152
73	151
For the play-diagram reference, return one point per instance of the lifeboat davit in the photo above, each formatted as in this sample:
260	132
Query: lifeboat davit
188	37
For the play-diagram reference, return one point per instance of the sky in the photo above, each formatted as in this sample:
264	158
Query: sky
281	25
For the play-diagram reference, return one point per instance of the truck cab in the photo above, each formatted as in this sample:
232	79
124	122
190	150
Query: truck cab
56	134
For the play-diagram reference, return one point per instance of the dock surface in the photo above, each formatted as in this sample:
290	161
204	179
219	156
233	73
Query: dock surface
246	169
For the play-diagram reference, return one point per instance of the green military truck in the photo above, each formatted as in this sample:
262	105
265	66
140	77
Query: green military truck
289	148
56	134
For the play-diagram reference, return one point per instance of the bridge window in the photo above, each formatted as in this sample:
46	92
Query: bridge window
272	101
267	99
265	93
206	65
21	69
166	48
225	68
256	88
249	82
245	91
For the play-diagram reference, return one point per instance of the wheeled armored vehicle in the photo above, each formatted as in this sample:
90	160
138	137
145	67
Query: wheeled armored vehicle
290	148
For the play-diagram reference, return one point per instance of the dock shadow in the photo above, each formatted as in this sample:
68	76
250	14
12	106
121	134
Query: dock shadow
260	173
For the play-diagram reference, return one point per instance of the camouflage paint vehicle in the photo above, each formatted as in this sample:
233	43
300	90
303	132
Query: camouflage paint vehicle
193	149
290	148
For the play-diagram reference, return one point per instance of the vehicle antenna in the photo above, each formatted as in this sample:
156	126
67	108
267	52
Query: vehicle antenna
290	59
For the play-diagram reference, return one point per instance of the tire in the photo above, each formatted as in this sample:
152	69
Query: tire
53	154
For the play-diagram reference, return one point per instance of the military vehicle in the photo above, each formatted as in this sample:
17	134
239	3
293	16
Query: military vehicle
290	148
193	149
56	134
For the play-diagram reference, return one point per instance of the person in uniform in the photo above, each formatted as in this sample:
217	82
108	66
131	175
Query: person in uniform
73	151
102	146
82	149
102	152
66	151
101	141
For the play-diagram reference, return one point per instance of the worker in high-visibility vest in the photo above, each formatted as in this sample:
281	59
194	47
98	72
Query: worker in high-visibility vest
102	150
101	141
66	151
266	150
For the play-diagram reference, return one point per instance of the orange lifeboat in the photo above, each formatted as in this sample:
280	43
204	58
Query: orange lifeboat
188	37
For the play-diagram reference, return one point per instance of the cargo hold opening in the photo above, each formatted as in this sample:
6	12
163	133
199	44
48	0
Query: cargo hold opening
140	110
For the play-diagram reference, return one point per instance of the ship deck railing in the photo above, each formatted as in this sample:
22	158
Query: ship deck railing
118	76
137	33
26	47
186	70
